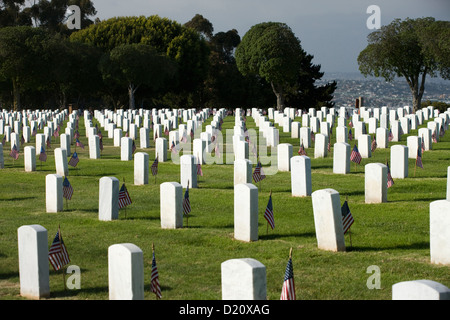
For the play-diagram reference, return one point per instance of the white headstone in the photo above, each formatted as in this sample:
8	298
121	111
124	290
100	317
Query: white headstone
420	290
141	168
382	137
243	279
30	158
375	178
108	203
54	193
284	155
126	151
440	232
188	171
144	137
33	262
125	272
305	137
161	149
246	212
399	161
117	137
94	146
328	220
171	209
320	146
301	176
341	158
242	171
364	146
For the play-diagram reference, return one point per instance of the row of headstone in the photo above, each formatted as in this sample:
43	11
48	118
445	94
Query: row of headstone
241	279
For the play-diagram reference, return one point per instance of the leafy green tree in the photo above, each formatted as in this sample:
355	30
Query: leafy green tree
182	45
13	13
51	14
134	65
271	51
21	59
406	49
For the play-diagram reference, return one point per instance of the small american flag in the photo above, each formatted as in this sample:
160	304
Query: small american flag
192	134
258	174
288	290
57	254
313	137
154	284
374	145
79	144
302	150
268	214
391	136
155	167
173	148
124	197
67	189
42	155
101	144
419	158
186	202
433	137
133	147
14	153
347	218
390	181
423	146
166	131
350	135
74	160
199	168
76	135
355	155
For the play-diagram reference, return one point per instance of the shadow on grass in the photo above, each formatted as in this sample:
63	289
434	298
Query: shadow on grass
271	236
413	246
19	199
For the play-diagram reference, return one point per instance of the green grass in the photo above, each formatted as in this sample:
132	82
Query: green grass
393	236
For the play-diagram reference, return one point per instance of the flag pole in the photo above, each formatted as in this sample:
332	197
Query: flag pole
125	206
60	248
267	228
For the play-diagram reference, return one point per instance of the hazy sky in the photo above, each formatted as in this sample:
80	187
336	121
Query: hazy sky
333	31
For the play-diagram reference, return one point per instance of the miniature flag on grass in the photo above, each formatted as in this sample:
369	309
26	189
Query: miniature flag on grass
155	167
302	151
355	156
199	168
14	153
186	202
42	155
74	160
374	145
419	158
350	135
390	181
258	174
67	189
154	284
288	290
268	214
391	136
124	197
57	254
347	218
79	144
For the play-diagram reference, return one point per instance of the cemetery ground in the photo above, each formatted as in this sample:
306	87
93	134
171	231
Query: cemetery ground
393	236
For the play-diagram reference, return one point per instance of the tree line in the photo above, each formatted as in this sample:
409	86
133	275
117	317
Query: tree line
135	62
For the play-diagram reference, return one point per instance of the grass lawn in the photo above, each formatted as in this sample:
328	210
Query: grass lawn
393	236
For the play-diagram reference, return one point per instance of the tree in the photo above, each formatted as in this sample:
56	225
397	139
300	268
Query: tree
182	45
403	49
13	13
271	51
21	59
51	14
134	65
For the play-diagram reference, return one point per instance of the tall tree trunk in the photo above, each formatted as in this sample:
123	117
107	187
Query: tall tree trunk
417	88
131	91
16	93
278	91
